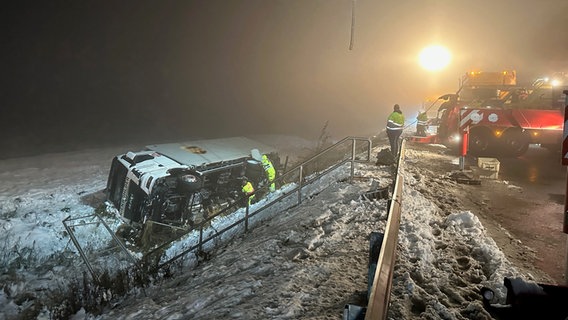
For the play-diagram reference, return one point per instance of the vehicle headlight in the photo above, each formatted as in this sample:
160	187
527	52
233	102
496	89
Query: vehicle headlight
455	138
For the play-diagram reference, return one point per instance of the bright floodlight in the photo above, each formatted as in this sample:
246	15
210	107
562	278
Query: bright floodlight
434	58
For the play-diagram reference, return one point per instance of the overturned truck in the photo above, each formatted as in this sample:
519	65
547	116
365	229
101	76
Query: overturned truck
184	183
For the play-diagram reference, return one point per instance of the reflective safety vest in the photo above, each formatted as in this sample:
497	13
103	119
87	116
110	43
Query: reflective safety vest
422	119
270	172
395	121
268	168
248	189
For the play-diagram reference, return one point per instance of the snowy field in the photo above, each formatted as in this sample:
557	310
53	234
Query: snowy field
305	262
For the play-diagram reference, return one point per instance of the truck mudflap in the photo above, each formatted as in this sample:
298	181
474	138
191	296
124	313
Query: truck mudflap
528	300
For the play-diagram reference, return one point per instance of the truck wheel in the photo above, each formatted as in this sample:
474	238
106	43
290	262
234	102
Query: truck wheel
480	142
515	142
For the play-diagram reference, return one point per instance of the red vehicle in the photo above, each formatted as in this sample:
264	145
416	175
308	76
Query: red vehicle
502	118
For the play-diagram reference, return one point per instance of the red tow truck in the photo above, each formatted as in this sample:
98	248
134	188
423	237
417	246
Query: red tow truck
500	117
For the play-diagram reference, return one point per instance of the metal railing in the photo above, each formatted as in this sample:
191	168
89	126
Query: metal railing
93	219
344	151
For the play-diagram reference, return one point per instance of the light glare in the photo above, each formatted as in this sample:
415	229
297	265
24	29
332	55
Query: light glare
434	58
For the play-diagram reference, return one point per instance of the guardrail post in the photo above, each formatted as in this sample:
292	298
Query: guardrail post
200	244
353	143
301	173
375	243
247	216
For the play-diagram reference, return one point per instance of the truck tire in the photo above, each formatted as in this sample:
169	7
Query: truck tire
515	142
481	141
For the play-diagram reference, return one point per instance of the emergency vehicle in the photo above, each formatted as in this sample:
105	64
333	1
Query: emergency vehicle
501	117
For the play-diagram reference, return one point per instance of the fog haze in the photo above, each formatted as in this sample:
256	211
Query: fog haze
88	73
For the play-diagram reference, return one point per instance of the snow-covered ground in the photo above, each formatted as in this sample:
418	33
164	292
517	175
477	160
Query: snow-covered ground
307	261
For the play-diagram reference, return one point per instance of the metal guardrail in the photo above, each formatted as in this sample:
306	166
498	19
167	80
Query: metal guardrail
382	283
344	151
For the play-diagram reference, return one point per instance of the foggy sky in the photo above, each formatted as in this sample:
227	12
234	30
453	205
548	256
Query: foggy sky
81	73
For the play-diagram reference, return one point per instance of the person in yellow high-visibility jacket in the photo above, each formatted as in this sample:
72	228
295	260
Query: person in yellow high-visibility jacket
421	124
248	190
395	125
270	171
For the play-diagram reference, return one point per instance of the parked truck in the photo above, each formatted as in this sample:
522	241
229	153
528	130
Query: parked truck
501	117
182	183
